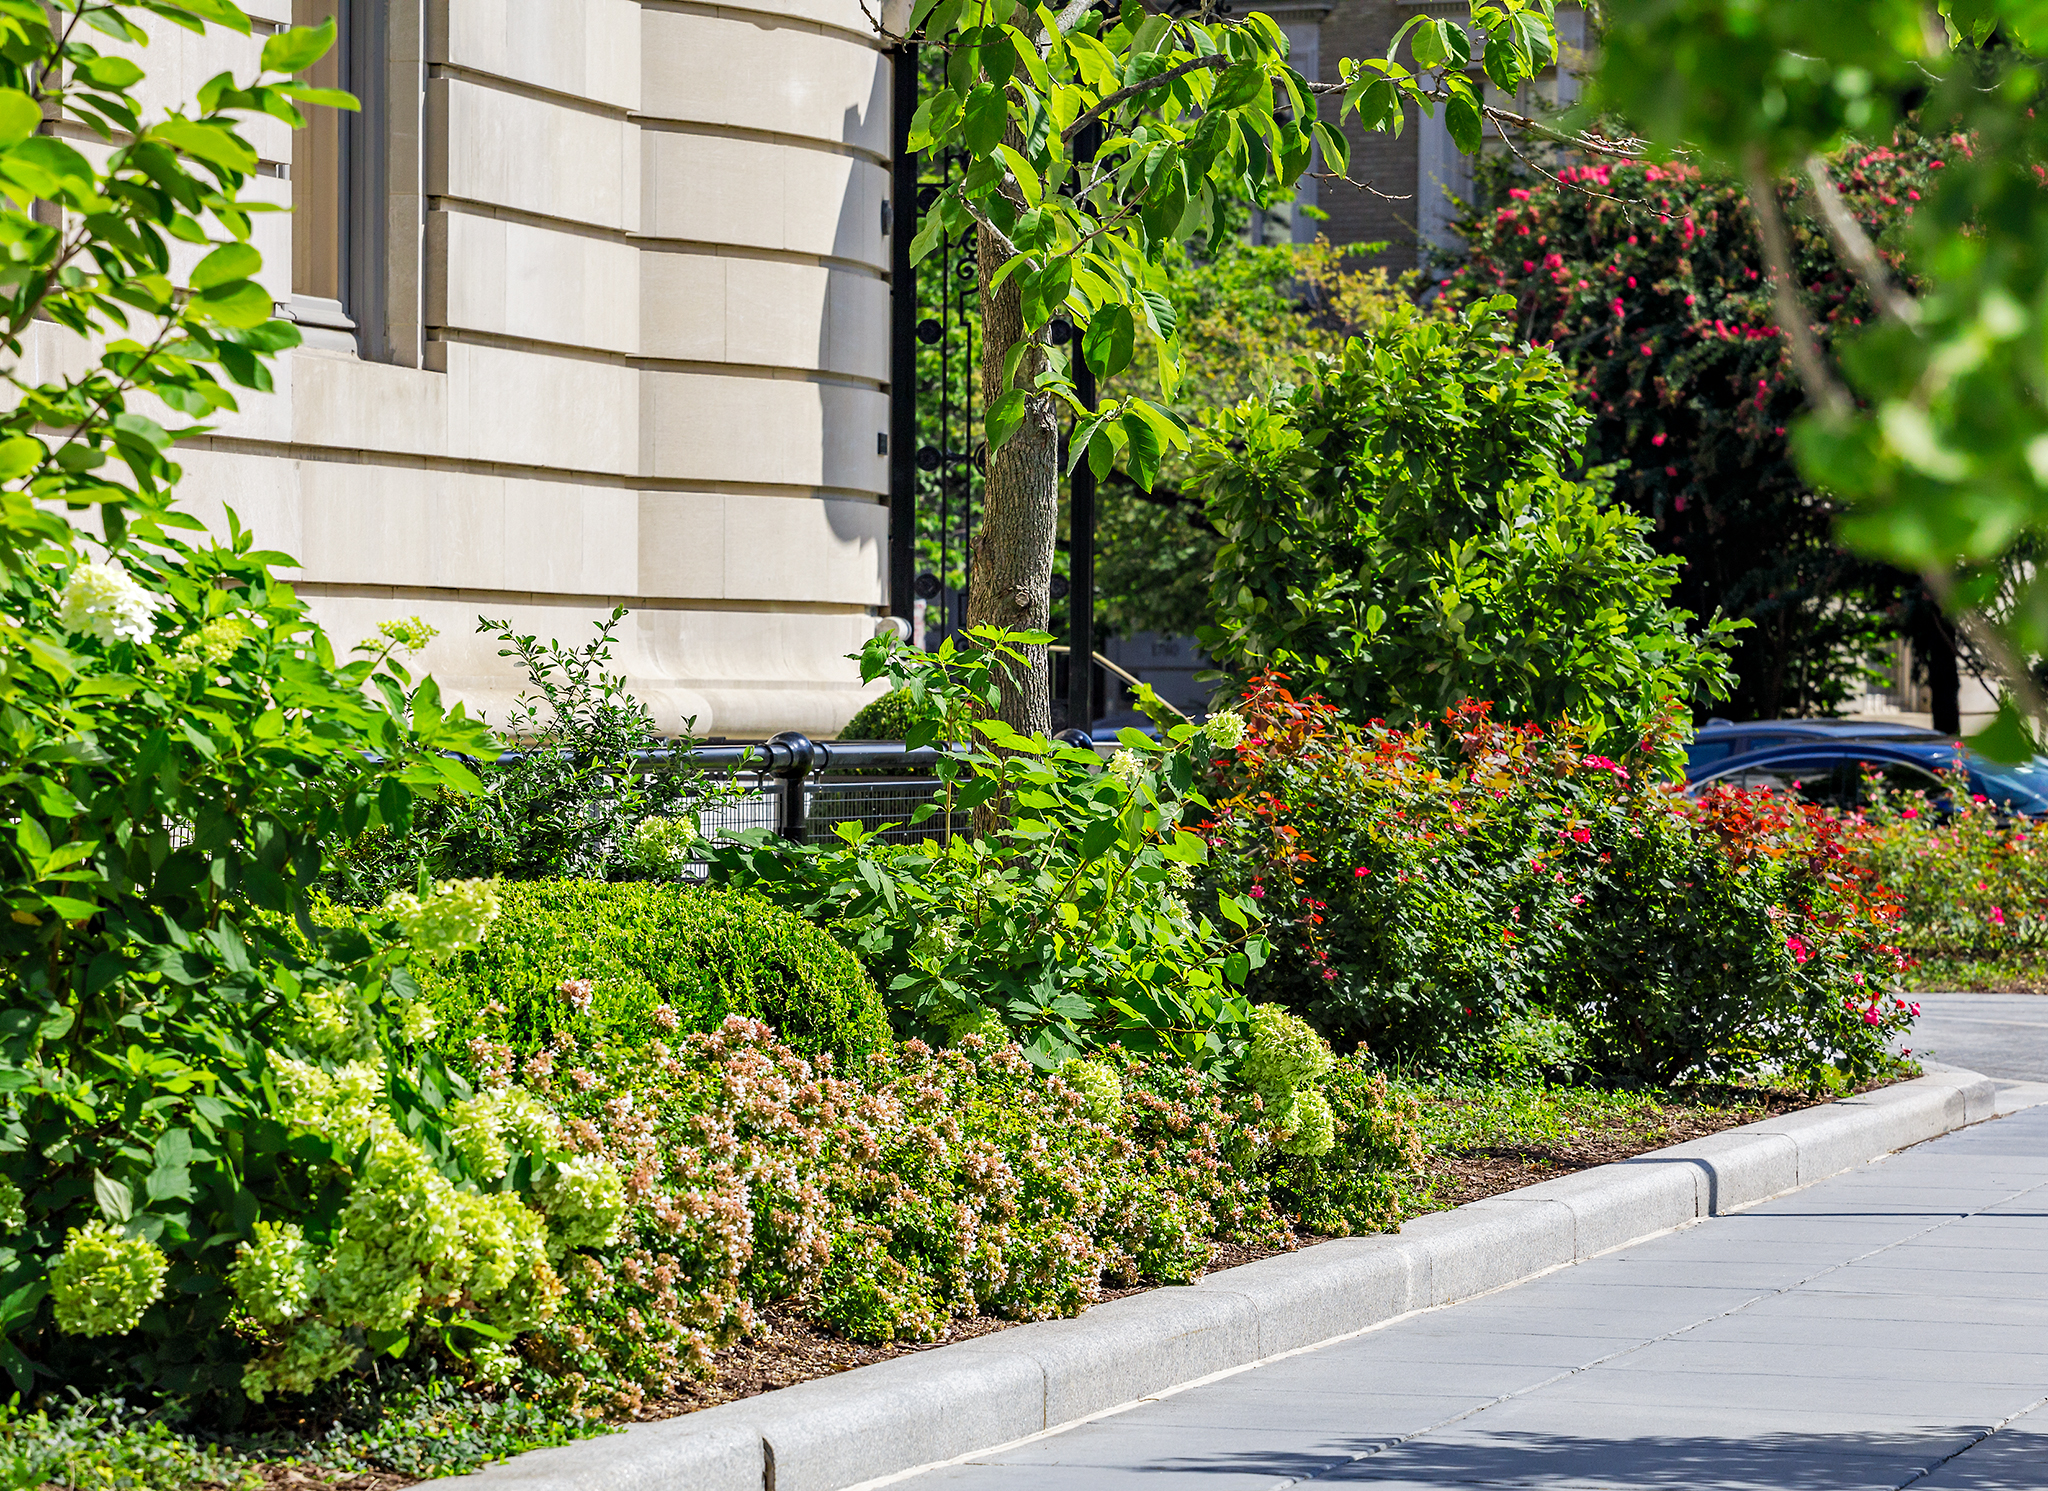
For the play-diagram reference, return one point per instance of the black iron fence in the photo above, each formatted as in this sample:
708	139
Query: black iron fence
801	787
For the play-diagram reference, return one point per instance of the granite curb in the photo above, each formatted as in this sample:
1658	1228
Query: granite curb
923	1409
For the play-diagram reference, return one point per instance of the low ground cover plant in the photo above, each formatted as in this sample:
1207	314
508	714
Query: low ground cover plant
1438	888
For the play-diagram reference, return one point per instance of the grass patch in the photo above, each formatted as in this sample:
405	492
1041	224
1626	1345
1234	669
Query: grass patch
2018	971
1485	1137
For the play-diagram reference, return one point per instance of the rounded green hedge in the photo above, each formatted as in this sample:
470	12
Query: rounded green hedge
704	953
886	718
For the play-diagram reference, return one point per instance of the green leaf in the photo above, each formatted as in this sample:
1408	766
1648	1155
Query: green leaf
1336	148
19	455
115	1199
1144	441
299	48
934	117
1109	342
229	262
1461	117
215	144
19	117
988	116
1004	416
240	303
1238	86
322	98
2007	738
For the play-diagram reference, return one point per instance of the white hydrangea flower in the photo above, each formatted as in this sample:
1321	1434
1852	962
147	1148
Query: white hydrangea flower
103	1281
419	1022
585	1201
102	601
272	1275
453	917
662	844
407	633
1127	767
1225	730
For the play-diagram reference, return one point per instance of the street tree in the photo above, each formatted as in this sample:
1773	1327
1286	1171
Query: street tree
1096	137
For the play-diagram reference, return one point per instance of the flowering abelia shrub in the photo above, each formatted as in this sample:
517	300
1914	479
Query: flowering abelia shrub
938	1184
1424	886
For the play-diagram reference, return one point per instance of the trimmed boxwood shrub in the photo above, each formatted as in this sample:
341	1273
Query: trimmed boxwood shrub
886	718
648	951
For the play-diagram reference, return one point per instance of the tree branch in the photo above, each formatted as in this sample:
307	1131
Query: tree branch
1821	384
1856	249
1179	70
1626	149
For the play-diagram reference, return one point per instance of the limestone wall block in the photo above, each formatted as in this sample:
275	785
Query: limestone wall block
589	48
760	194
521	280
783	431
783	77
534	155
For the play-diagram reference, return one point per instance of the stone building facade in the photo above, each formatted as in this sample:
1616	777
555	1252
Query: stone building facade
596	302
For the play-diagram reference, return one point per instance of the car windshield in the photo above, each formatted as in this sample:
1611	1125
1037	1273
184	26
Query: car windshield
2023	788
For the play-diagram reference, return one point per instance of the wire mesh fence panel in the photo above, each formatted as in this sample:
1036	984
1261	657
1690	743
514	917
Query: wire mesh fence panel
874	802
756	808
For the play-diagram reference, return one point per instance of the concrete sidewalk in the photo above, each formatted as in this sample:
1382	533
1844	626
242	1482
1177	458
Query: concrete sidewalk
1885	1328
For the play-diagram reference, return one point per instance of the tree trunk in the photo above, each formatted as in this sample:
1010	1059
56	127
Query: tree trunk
1010	585
1934	640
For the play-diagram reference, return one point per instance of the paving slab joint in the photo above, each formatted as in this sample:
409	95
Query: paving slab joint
875	1424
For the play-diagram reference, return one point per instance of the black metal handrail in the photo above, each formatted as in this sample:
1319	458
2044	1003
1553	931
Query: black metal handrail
791	759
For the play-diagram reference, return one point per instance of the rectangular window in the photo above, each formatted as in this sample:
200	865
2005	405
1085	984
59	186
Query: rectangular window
338	174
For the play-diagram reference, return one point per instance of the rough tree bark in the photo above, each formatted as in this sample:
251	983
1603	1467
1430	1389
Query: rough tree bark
1011	581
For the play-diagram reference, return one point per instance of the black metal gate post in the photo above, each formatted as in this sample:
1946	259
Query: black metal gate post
791	755
1081	568
902	340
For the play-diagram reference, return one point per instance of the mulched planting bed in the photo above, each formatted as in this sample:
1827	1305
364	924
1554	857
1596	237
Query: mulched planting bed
793	1350
1482	1142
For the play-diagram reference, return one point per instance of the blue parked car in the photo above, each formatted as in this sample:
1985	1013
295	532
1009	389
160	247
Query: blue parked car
1824	767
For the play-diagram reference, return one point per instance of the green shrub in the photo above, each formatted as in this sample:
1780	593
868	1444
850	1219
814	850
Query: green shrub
1432	888
1061	918
587	773
657	959
1405	527
887	718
